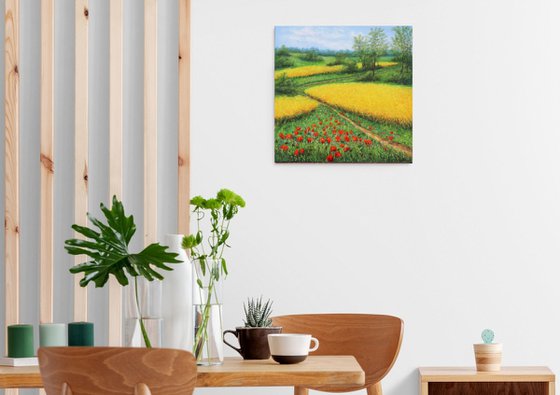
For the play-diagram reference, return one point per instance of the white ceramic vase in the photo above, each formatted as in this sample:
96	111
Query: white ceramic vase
177	299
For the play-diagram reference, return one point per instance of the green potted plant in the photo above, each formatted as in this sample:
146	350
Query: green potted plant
108	253
214	216
253	337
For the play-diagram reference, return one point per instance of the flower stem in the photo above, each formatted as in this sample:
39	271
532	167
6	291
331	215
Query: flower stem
140	318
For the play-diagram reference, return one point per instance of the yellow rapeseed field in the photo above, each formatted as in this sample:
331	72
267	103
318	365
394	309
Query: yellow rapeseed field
391	103
289	107
380	64
305	71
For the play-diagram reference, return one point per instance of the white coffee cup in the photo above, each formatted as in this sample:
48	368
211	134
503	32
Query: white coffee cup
287	348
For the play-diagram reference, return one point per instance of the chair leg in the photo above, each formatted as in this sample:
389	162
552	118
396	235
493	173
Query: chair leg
66	390
142	389
301	391
375	389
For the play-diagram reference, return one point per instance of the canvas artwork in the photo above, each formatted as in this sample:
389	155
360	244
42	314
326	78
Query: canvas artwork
343	94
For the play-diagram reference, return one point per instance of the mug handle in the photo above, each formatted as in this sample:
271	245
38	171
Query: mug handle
234	333
316	346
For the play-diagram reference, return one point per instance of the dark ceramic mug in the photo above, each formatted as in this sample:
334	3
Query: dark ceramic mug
253	342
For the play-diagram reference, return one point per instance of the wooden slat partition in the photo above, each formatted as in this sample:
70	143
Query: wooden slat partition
115	149
184	160
81	143
11	158
47	160
150	121
47	134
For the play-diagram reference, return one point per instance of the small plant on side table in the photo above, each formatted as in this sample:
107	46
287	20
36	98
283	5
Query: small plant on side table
253	337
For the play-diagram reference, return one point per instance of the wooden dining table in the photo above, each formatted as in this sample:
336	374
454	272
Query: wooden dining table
234	372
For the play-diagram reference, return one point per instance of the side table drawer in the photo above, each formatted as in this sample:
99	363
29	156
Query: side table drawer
494	388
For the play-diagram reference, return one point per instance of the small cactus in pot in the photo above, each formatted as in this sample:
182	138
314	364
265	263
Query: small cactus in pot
253	337
488	355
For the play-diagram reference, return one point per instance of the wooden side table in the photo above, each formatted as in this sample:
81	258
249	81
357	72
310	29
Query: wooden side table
534	380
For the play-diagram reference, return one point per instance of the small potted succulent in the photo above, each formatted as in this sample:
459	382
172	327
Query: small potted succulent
488	355
253	337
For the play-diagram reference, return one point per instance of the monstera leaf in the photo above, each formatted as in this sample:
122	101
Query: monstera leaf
107	250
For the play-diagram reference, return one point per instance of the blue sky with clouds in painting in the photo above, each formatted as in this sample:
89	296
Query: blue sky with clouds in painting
322	37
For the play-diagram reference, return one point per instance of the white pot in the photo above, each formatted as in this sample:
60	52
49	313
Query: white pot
177	299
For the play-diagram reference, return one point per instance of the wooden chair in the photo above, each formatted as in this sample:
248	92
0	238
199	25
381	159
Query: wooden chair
374	340
116	371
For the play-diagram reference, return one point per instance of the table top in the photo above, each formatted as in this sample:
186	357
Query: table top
235	372
469	374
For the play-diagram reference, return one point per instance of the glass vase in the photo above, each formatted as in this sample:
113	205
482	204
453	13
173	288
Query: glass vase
143	322
208	347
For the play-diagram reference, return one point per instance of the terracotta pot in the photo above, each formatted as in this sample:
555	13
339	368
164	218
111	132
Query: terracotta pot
253	342
488	357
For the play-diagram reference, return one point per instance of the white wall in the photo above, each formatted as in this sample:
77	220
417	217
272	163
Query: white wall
463	239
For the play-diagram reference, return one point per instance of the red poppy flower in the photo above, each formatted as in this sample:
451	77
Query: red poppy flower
337	138
288	136
338	154
367	142
392	132
322	140
300	138
329	139
333	148
301	151
281	135
347	139
309	139
354	138
391	138
296	152
284	148
330	158
346	149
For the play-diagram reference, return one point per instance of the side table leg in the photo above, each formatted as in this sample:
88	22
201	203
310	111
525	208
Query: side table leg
301	391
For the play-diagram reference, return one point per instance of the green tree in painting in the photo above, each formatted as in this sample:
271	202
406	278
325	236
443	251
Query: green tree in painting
369	49
377	45
402	46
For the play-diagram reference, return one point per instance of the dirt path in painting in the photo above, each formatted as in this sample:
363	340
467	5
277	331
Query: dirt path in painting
386	143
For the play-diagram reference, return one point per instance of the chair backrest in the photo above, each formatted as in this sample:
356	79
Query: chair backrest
374	340
116	371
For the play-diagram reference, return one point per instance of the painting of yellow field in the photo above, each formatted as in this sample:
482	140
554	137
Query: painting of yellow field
343	94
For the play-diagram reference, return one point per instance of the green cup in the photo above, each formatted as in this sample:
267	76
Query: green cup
20	341
80	334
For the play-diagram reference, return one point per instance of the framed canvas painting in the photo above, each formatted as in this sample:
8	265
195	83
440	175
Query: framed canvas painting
343	94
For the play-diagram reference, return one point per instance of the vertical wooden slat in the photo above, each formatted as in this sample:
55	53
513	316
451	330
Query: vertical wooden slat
150	121
46	160
184	115
11	158
81	143
115	149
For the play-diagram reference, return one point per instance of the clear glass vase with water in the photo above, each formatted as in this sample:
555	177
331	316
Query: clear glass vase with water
208	347
143	323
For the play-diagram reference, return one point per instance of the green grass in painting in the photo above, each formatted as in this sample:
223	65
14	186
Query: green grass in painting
324	136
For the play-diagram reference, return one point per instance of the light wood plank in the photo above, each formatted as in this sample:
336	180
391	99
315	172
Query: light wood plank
467	374
150	121
184	162
423	388
115	150
47	160
81	143
11	160
235	372
551	388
